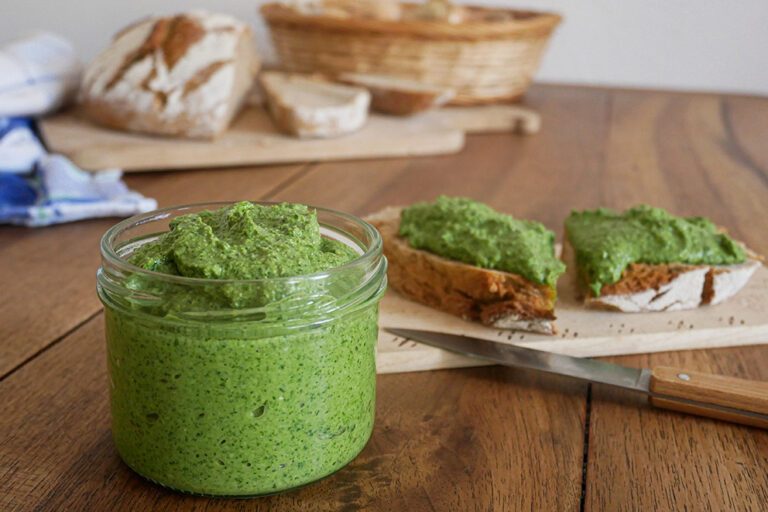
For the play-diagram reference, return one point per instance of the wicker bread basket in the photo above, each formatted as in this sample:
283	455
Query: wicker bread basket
482	60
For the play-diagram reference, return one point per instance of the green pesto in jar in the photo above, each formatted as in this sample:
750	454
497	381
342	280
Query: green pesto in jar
464	230
239	406
606	242
244	241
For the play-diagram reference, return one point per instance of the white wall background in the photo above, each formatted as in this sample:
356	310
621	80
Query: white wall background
717	45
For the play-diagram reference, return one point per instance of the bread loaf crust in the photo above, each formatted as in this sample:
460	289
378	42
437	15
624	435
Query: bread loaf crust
399	97
182	75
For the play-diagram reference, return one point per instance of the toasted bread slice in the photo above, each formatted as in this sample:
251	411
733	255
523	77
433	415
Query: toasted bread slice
668	287
497	299
399	96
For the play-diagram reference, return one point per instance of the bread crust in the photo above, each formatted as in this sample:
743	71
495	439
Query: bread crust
397	96
182	75
665	287
498	299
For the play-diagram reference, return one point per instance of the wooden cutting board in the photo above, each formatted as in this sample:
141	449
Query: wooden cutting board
253	140
490	118
743	320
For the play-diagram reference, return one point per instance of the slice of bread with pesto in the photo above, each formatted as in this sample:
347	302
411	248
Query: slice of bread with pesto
646	259
464	258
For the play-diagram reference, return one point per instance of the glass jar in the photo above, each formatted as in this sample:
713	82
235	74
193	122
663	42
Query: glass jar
242	388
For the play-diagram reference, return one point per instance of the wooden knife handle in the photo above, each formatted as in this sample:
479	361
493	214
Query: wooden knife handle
675	389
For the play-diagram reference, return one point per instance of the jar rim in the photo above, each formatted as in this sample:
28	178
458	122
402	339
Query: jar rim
110	255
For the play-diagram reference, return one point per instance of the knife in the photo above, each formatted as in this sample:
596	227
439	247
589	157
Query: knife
715	396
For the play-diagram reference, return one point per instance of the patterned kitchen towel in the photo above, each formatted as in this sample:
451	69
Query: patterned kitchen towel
38	74
19	146
57	192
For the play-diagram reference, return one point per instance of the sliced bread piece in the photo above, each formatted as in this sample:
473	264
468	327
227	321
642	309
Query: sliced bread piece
310	107
497	299
664	287
399	96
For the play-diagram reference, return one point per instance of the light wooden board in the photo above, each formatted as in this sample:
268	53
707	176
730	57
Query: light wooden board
743	320
251	140
490	118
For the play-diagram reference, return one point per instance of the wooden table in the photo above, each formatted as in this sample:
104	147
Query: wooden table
475	439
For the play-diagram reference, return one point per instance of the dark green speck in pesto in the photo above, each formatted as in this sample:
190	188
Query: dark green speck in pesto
464	230
606	242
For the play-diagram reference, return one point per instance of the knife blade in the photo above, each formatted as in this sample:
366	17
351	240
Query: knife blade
581	368
726	398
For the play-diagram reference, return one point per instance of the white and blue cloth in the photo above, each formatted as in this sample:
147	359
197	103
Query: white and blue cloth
37	75
37	189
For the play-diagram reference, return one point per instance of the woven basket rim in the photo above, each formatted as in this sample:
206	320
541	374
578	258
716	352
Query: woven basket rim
533	22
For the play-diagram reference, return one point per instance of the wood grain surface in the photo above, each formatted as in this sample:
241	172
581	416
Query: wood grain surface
472	439
440	449
696	154
641	458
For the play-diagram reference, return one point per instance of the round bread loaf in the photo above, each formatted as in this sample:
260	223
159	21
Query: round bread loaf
184	75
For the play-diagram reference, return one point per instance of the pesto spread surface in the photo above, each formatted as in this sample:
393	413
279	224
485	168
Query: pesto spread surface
606	242
471	232
244	241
